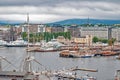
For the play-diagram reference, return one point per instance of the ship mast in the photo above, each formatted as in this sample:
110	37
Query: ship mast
28	28
27	64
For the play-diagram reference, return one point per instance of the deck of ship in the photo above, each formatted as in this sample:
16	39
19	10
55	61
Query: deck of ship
17	75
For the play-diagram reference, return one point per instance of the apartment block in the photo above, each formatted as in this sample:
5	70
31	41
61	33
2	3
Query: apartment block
34	28
57	28
74	30
116	33
100	32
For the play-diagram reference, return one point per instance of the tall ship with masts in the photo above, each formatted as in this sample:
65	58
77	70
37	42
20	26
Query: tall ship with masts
26	73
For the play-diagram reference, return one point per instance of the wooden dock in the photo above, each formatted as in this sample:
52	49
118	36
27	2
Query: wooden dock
83	69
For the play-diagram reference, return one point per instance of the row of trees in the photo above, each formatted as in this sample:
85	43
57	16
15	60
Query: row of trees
37	37
109	41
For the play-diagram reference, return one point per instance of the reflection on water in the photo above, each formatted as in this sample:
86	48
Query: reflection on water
106	65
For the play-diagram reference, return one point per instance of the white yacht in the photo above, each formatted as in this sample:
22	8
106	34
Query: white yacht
2	42
53	43
18	43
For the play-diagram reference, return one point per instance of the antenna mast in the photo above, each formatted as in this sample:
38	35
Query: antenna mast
88	21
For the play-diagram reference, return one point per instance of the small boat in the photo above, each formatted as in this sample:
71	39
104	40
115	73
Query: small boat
2	42
87	56
69	54
45	49
118	57
73	76
108	53
87	77
117	75
74	54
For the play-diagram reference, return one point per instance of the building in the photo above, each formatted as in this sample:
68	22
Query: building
41	28
3	31
74	30
48	29
57	28
8	33
84	40
116	33
61	39
100	32
34	28
109	32
19	30
11	34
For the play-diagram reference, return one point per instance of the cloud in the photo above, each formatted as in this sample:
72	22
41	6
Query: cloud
47	2
55	10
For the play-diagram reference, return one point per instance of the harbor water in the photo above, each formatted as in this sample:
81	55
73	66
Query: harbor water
106	66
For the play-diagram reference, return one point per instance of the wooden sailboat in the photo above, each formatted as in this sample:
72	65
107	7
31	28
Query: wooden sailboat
76	53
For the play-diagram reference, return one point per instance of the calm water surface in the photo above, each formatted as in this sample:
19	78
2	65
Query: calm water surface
106	65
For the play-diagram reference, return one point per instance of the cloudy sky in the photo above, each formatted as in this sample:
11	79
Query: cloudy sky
43	11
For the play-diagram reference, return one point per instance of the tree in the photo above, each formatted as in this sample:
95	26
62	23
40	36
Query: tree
24	35
104	40
95	39
111	41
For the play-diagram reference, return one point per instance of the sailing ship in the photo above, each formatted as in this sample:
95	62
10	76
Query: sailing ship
26	73
17	75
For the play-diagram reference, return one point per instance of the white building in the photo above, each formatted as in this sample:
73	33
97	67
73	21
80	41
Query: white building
34	28
100	32
116	33
41	28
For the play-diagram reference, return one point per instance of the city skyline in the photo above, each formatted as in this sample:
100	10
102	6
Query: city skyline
45	11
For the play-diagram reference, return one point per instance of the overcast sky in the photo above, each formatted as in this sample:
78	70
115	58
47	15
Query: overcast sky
43	11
